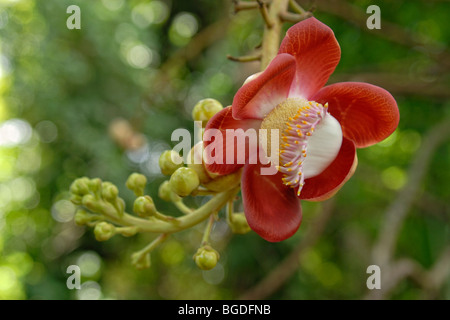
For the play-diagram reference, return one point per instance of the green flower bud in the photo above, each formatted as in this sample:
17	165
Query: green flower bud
90	202
120	206
104	231
141	261
144	206
205	109
82	217
239	224
136	182
169	161
195	162
184	181
80	186
206	258
166	193
95	185
109	191
76	199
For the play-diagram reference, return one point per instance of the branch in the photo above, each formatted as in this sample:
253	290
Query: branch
399	84
294	17
271	36
249	58
281	273
246	5
389	30
431	281
397	211
265	14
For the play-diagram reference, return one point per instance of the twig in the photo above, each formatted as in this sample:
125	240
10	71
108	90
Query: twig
249	58
246	5
296	7
400	84
294	17
281	273
265	14
430	280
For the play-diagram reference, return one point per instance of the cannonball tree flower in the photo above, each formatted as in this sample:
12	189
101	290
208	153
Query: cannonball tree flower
319	129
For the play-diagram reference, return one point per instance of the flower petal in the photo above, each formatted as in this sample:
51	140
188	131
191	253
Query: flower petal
272	209
218	147
368	114
326	184
255	99
323	146
317	54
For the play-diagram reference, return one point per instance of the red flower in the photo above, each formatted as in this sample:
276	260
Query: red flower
325	123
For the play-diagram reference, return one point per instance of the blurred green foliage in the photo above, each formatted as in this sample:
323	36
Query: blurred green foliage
61	89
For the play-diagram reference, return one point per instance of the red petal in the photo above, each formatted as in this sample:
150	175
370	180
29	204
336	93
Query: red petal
255	99
326	184
317	53
272	209
222	121
368	114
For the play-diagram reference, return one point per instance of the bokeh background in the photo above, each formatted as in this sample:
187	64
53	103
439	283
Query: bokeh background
103	101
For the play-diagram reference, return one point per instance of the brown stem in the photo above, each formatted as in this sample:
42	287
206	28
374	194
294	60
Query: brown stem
272	34
396	213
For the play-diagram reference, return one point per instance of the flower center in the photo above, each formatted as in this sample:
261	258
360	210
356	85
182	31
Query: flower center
304	128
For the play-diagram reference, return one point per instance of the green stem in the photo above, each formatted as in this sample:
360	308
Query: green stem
151	246
178	224
208	229
182	207
230	212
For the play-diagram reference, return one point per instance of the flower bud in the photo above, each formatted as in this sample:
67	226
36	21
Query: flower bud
109	191
76	199
120	206
90	202
144	206
206	258
169	161
104	231
80	186
239	224
82	217
136	182
183	181
195	162
166	193
95	185
205	109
